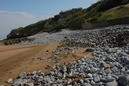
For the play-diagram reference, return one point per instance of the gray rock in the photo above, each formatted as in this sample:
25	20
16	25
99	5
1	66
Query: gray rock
98	84
88	84
112	64
110	59
123	69
87	80
82	59
18	82
89	75
115	76
118	51
96	78
127	71
110	79
123	80
81	81
59	81
64	69
59	74
103	79
114	83
92	82
107	71
122	54
22	75
111	50
53	84
93	70
59	85
39	72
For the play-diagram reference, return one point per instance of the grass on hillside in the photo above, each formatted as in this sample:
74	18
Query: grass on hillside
116	12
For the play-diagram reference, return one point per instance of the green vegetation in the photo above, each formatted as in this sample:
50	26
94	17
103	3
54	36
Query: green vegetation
76	18
117	12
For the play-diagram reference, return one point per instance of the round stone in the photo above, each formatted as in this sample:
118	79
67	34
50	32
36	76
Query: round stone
92	82
22	75
107	71
10	81
110	79
96	79
89	75
88	84
114	83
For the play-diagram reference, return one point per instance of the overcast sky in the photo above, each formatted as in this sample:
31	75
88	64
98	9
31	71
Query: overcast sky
19	13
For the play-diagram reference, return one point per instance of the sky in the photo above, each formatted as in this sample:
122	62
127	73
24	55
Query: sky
19	13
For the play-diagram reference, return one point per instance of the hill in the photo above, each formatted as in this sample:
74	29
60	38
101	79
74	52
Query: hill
76	18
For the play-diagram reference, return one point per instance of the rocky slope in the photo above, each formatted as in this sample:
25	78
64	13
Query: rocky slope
109	67
111	35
